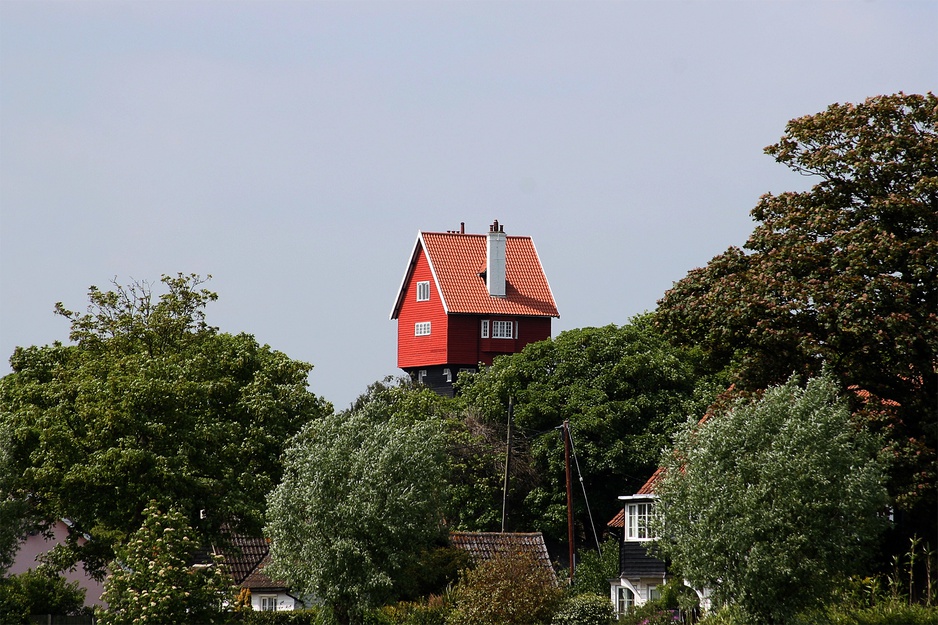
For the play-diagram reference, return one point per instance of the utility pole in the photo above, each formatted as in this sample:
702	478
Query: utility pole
507	469
566	453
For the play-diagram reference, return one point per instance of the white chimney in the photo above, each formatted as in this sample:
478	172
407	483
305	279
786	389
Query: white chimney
495	260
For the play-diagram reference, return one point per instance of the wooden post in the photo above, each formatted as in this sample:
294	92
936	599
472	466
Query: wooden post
566	452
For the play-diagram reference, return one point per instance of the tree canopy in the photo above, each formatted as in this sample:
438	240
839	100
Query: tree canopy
624	390
149	403
843	275
773	502
361	497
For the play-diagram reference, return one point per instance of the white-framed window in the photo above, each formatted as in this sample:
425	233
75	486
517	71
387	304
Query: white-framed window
423	291
625	599
422	328
653	593
448	374
485	328
638	521
503	329
421	375
268	603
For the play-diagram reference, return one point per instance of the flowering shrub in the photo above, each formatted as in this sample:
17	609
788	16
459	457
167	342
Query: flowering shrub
153	582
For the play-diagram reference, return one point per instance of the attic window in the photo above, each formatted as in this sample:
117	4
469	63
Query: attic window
638	518
422	328
423	291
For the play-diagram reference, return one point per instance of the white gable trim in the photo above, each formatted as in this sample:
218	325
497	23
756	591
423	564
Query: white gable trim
419	247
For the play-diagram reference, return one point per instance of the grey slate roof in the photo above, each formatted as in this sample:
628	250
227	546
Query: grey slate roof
482	546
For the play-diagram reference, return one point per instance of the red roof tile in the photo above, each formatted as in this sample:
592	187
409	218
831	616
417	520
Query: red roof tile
456	261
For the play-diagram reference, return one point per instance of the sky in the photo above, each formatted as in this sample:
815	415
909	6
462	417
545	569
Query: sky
293	150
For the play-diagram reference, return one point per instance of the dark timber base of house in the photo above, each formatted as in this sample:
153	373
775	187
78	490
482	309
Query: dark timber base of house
439	378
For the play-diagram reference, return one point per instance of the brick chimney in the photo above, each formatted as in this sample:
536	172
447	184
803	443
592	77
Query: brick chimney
495	260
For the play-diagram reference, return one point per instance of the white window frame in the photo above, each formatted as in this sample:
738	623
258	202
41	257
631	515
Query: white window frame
422	328
423	291
485	328
625	599
638	518
503	329
268	603
448	374
421	375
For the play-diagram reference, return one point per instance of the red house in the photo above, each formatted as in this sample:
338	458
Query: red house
466	298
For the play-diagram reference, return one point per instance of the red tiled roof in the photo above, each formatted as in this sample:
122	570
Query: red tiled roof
456	261
649	487
618	521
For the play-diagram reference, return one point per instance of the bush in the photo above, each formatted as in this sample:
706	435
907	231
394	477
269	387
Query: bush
314	616
585	609
512	590
432	611
40	591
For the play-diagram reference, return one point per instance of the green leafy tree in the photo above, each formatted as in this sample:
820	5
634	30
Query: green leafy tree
149	403
361	497
38	591
845	274
155	580
624	389
595	568
506	590
772	502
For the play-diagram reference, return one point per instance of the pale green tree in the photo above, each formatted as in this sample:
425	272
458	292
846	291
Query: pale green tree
154	580
361	497
773	502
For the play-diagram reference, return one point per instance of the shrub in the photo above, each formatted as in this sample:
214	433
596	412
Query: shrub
513	590
585	609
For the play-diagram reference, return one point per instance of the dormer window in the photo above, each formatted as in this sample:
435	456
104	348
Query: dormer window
423	291
638	518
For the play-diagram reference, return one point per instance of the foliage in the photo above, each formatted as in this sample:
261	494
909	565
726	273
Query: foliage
595	569
624	390
844	274
38	591
360	498
772	502
585	609
129	413
431	611
506	590
436	569
153	578
312	616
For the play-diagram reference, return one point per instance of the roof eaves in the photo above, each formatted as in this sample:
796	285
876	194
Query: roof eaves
407	273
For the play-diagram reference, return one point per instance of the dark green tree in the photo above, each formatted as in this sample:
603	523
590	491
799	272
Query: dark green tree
361	499
843	275
38	591
149	403
624	389
772	503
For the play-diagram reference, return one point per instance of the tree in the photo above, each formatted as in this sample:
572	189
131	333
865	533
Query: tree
624	390
154	580
506	590
361	497
149	403
773	502
38	591
844	275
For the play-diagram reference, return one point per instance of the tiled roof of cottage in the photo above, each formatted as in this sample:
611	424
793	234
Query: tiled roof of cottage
482	546
244	556
458	259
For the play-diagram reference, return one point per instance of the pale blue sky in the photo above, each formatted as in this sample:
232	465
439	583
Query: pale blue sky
294	149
